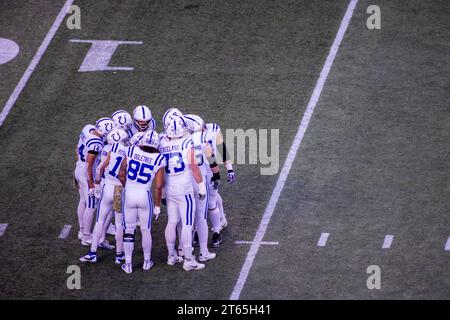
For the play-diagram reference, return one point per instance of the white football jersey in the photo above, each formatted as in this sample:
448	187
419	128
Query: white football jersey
88	142
133	130
201	140
142	168
178	177
101	158
212	131
117	153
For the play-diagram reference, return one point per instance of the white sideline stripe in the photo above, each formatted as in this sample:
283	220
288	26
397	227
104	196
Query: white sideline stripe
269	243
292	153
65	231
34	62
447	245
323	240
388	241
3	227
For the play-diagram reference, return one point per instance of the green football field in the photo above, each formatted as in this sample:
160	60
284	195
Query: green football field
373	161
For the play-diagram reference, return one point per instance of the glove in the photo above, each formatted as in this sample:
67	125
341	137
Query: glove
156	212
231	176
97	191
215	181
201	190
91	192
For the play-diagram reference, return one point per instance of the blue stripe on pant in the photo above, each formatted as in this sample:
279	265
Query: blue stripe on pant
187	209
150	209
190	210
206	200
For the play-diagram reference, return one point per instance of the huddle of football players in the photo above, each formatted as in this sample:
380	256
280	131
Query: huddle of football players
125	170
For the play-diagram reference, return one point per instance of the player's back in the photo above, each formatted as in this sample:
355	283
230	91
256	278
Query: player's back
201	141
142	167
87	142
118	152
178	177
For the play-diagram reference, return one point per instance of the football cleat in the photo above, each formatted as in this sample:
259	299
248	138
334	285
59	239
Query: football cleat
192	264
206	256
147	264
195	242
127	268
216	240
172	260
105	245
90	257
119	258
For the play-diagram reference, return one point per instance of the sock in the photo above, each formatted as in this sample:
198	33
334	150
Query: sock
186	236
220	206
214	215
80	213
87	220
146	243
119	232
180	239
128	245
171	237
96	236
106	226
202	231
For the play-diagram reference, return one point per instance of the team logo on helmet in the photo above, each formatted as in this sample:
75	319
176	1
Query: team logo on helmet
117	136
122	119
104	125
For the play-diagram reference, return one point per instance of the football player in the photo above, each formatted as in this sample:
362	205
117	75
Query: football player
143	120
181	168
123	121
142	164
111	195
216	213
196	127
90	144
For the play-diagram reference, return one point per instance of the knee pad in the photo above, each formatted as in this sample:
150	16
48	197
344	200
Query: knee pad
128	237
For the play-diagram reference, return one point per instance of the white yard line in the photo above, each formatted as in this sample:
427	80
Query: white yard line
322	242
387	241
65	231
3	227
34	62
292	153
269	243
447	245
